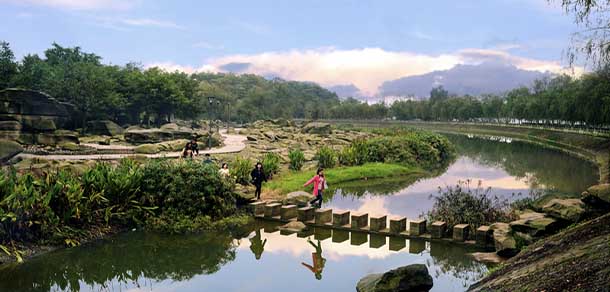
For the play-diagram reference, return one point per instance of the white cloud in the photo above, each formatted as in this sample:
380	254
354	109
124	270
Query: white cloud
79	4
208	46
148	22
366	68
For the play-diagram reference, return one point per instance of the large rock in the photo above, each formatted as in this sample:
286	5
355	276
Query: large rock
597	196
535	224
411	278
299	198
8	149
147	149
504	241
317	128
104	127
294	226
36	109
572	210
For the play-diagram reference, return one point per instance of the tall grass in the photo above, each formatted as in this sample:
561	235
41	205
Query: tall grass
297	159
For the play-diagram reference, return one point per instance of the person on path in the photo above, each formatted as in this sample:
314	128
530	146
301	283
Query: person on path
319	185
258	176
224	170
187	152
318	260
194	147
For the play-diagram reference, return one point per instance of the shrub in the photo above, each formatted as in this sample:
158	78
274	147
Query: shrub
327	157
297	158
271	164
461	204
241	170
354	154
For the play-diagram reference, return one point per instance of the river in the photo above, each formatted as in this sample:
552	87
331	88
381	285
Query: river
260	258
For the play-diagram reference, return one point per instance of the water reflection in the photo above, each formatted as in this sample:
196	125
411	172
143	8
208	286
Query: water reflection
513	170
140	261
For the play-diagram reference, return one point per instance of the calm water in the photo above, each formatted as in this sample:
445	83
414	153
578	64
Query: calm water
260	258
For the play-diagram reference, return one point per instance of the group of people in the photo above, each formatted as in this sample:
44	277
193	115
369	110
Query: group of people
258	174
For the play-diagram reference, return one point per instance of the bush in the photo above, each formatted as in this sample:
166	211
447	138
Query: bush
241	170
354	154
297	159
271	164
327	157
62	206
460	204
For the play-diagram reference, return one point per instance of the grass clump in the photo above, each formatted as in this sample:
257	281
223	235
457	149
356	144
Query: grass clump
297	159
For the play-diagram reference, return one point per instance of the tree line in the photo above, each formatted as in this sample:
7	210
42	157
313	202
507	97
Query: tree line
130	94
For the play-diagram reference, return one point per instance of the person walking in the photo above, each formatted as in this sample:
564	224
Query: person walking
258	176
319	185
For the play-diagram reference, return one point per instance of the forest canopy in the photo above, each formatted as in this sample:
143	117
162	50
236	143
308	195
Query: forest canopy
131	94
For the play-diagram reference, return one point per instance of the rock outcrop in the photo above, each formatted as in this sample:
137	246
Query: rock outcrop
8	149
504	241
32	117
104	127
535	224
411	278
317	128
572	210
597	197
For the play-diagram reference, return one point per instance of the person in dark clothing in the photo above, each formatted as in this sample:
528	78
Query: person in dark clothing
194	147
208	159
258	176
188	150
257	246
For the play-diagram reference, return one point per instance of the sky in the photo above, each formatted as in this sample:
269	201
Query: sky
331	42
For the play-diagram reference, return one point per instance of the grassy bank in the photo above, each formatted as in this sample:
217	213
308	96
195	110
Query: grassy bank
594	148
293	181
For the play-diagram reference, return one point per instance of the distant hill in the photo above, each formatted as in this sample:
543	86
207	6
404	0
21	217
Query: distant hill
345	90
464	79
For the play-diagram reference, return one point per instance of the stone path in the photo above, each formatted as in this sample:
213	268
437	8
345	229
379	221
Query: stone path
232	143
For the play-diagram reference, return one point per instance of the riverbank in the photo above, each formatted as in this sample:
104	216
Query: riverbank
594	148
293	181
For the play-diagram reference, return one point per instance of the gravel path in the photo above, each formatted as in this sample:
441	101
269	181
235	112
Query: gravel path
232	144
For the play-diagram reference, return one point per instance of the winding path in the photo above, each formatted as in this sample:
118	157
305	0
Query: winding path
232	143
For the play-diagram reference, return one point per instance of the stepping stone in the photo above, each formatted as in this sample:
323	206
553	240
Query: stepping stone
323	216
416	246
305	214
358	238
272	210
340	235
377	241
288	212
438	229
484	236
258	208
360	221
417	227
460	232
398	225
341	218
378	223
397	243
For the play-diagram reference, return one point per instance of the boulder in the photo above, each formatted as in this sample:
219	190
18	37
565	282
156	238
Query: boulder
298	198
572	210
170	127
175	145
270	135
597	196
535	224
251	138
505	243
104	127
38	123
294	226
8	149
147	149
411	278
317	128
70	146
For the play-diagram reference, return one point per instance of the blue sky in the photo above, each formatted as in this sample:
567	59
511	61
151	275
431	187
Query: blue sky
329	42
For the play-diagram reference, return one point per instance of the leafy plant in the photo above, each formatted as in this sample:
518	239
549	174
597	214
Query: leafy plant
271	164
327	157
241	170
297	159
460	204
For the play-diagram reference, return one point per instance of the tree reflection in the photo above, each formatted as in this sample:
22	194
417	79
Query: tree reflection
126	258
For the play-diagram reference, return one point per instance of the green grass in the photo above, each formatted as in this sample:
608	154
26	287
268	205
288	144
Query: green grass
293	181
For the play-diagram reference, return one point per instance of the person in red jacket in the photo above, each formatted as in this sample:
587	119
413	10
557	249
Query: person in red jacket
319	185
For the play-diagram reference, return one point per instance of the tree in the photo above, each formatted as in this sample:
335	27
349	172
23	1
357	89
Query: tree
8	66
593	41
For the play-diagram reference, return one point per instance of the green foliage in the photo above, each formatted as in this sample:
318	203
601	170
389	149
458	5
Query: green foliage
297	159
327	157
241	170
460	204
271	164
61	206
357	153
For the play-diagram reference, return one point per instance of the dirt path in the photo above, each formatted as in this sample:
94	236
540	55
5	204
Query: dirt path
232	143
